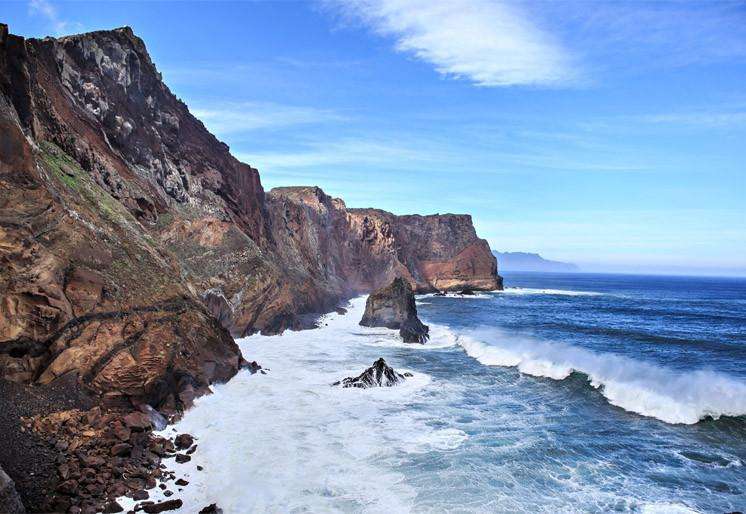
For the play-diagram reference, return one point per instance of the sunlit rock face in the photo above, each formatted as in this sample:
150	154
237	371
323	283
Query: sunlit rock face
133	244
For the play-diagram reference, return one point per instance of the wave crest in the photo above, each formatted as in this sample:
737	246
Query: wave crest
635	386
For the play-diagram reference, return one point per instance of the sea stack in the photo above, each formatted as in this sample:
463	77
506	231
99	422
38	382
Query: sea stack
394	307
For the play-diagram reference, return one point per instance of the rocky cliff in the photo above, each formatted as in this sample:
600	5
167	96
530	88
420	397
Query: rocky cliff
133	244
354	251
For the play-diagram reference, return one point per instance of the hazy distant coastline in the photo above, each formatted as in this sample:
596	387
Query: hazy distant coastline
524	261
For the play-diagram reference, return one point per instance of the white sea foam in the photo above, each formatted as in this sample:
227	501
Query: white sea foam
440	337
457	296
672	396
289	442
667	508
557	292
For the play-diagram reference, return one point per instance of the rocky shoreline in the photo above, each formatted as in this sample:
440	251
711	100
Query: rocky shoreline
135	247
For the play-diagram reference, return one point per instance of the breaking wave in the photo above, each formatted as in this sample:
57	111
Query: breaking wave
684	397
555	292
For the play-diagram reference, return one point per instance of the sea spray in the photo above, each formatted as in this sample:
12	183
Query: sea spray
672	396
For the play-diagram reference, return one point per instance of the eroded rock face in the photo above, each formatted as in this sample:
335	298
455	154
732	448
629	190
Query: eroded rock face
96	158
117	204
10	502
394	307
379	374
332	252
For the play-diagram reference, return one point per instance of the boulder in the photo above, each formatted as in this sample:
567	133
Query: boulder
162	506
183	441
394	307
10	502
379	374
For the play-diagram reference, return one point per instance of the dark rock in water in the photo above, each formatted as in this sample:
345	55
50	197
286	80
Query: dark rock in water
414	331
182	458
163	506
252	366
340	310
467	292
183	441
394	307
211	509
378	375
10	502
440	293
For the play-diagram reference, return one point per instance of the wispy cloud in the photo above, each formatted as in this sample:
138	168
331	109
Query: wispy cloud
433	155
489	43
698	119
353	152
235	117
49	11
618	36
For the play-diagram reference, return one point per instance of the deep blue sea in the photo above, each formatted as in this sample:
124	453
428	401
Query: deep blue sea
563	393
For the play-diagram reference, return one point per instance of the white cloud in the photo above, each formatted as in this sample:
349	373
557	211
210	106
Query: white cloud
350	152
49	11
490	43
236	117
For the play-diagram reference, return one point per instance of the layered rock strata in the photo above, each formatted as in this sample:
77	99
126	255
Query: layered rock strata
133	245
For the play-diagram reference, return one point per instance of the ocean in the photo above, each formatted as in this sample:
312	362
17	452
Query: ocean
563	393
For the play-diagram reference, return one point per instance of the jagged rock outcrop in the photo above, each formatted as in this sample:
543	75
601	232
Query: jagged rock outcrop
352	251
10	502
379	374
96	153
394	307
133	245
124	222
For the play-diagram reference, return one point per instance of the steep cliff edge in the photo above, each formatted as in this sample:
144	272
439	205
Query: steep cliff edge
85	286
133	245
354	251
129	235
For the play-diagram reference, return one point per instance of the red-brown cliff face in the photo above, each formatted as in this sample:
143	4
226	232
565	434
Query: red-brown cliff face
354	251
130	238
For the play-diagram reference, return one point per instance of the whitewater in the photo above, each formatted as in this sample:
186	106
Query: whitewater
532	400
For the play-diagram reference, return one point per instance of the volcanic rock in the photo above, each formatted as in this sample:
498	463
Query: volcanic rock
133	245
211	509
163	506
394	307
379	374
183	441
414	331
10	502
112	507
137	421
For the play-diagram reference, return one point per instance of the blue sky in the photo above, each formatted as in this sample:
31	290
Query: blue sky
608	134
